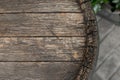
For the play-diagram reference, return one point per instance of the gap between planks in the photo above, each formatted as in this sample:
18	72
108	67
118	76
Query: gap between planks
78	61
36	12
37	36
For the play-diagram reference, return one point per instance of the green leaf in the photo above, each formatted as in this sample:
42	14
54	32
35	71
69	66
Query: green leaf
118	6
97	8
97	4
116	1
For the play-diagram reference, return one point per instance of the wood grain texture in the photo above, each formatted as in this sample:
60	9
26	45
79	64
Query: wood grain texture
8	6
38	70
44	24
46	39
41	49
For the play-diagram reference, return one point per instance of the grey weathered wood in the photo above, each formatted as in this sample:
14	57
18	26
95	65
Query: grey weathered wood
41	49
8	6
47	39
44	24
38	70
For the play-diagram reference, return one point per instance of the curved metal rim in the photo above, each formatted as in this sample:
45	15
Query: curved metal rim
96	57
96	52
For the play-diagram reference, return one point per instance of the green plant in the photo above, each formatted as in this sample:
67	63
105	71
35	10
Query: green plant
98	4
115	4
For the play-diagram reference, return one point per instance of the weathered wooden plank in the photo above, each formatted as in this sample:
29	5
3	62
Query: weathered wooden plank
41	49
38	70
52	24
39	6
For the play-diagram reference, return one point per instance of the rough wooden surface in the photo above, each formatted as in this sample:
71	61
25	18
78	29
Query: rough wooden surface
45	39
38	70
41	49
8	6
42	24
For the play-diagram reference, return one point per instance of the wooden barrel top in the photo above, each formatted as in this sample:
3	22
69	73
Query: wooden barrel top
47	39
